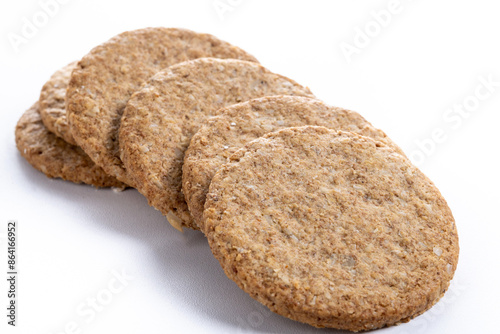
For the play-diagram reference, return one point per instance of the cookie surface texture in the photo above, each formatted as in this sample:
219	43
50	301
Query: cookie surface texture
105	79
331	229
160	120
52	103
241	123
55	157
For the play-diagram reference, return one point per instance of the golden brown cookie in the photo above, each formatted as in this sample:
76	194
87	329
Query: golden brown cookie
56	158
52	103
332	229
241	123
161	118
105	79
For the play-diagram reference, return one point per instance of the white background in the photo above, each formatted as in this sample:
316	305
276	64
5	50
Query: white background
72	238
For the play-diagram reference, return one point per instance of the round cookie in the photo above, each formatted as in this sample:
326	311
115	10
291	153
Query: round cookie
105	79
56	158
161	118
241	123
332	229
52	103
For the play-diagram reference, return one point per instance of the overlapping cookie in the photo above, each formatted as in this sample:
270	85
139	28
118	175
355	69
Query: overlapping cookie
105	79
161	118
308	208
332	229
52	103
241	123
56	158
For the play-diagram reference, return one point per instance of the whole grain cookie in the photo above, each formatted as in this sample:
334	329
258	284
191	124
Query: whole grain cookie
105	79
56	158
241	123
332	229
52	103
161	118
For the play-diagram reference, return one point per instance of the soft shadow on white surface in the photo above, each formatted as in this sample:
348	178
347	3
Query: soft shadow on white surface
183	267
178	268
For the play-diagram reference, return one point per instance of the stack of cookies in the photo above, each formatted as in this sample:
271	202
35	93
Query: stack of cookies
310	209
